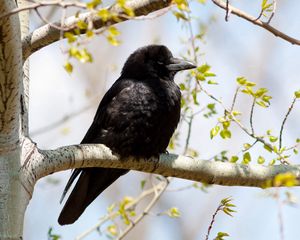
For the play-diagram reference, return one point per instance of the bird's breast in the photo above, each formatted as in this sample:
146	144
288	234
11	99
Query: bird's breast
144	119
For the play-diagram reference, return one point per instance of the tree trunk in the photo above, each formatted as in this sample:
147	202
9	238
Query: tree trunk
13	194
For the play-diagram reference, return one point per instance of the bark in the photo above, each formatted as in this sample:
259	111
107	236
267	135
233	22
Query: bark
45	162
47	34
13	196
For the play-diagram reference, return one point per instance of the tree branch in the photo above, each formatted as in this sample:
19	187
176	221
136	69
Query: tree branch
45	162
256	21
48	34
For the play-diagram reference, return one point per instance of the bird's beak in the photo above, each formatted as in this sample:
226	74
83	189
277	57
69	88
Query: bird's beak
179	64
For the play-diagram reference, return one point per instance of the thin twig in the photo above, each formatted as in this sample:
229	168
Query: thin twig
47	34
234	97
46	21
252	145
247	131
192	39
227	11
63	119
145	212
280	215
36	5
181	188
213	220
274	5
257	22
284	120
251	115
260	14
188	137
113	214
191	118
62	21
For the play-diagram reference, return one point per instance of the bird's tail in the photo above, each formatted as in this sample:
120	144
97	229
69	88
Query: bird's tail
90	184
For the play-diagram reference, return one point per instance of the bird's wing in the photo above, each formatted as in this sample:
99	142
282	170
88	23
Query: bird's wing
101	115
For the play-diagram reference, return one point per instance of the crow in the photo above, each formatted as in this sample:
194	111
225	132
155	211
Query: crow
136	117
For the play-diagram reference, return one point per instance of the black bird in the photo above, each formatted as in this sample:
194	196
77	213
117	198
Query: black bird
136	117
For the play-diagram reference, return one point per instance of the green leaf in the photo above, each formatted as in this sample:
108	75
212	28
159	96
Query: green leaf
285	179
113	31
248	90
266	99
236	113
129	11
262	104
86	56
212	82
273	139
104	14
228	211
268	148
250	84
260	92
70	36
182	5
92	4
263	3
182	86
225	134
112	40
89	33
260	160
295	151
297	94
211	106
214	132
234	159
241	80
226	124
247	146
209	74
82	25
132	213
221	236
68	67
246	158
203	68
173	212
273	161
180	16
225	201
52	236
194	94
111	207
112	229
143	182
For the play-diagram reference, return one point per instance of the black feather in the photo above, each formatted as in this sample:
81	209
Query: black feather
136	117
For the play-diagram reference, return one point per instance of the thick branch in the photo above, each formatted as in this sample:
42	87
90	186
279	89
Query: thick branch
45	162
256	21
48	34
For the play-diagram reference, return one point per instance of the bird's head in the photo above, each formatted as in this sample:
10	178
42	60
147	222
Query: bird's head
154	61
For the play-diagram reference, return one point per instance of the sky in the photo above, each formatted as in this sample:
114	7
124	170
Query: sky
232	49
